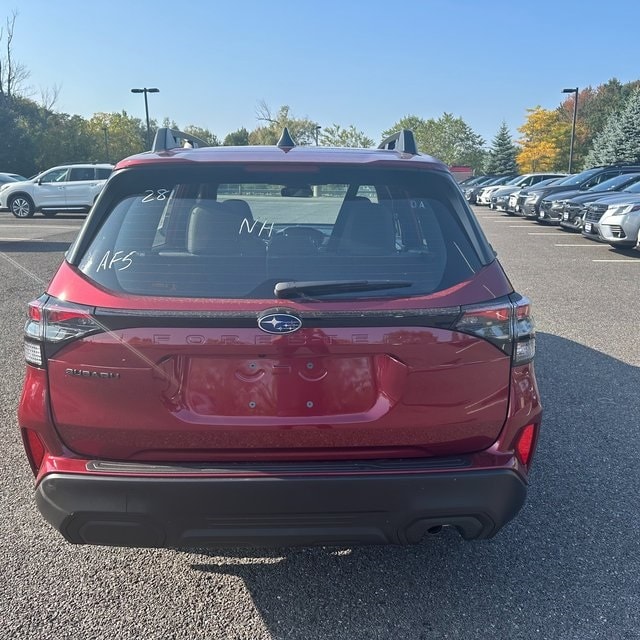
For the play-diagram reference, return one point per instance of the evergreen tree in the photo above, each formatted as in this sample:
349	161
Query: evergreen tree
630	130
502	155
619	140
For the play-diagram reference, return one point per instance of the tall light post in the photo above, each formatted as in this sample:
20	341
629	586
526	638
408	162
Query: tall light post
316	132
106	141
146	108
573	128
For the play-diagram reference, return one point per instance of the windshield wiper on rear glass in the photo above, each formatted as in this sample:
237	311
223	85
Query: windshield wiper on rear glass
323	287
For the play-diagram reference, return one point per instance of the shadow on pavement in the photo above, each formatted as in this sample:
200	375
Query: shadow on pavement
566	568
33	246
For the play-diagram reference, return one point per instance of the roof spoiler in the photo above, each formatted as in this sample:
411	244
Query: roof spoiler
167	138
402	140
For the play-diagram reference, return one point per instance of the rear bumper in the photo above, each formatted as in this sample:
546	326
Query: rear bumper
397	508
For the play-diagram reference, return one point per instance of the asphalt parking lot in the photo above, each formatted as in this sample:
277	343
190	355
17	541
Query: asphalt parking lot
567	568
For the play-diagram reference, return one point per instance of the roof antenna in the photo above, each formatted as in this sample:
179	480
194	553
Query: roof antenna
286	142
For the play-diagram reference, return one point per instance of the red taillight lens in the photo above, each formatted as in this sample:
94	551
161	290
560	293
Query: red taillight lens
34	448
508	325
524	444
491	322
64	320
52	322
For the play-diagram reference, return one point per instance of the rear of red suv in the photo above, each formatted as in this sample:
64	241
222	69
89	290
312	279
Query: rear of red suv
279	345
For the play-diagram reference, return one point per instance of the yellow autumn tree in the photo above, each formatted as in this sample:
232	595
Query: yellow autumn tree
544	138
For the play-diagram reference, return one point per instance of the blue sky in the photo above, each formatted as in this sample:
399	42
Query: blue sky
362	63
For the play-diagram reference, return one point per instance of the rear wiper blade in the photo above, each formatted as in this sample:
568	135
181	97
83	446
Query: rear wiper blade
320	287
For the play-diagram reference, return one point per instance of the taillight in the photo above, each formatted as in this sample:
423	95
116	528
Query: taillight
52	323
524	444
34	449
524	332
508	324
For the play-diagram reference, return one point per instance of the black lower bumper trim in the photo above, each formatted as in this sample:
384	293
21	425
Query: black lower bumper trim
277	511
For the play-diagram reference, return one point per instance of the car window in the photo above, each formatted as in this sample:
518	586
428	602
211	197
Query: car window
612	184
236	238
55	175
81	173
102	173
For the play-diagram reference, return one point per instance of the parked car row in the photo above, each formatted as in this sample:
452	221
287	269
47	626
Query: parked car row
494	191
602	203
71	188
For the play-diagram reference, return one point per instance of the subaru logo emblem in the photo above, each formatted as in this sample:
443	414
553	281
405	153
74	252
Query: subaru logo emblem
279	323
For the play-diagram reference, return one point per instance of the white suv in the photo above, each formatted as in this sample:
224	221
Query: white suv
66	188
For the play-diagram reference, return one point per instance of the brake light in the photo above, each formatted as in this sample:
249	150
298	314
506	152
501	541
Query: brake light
507	324
52	322
524	444
34	449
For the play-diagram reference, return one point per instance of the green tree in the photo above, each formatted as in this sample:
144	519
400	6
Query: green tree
302	130
619	140
125	135
594	108
237	138
204	134
448	138
502	155
17	150
337	136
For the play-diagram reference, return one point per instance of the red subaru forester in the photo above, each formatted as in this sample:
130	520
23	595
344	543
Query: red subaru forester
275	346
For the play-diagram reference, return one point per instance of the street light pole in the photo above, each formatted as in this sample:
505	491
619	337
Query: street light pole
146	108
106	142
573	128
316	132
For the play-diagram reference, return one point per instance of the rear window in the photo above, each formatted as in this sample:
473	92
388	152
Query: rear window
237	232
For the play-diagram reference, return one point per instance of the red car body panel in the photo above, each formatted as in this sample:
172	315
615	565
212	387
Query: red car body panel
185	394
164	421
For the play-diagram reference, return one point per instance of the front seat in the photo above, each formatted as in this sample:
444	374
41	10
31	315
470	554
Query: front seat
363	229
218	230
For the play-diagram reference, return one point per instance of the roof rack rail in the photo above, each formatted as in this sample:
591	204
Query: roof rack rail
167	138
402	140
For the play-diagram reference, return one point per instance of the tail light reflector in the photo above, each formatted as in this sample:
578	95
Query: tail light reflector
34	448
524	444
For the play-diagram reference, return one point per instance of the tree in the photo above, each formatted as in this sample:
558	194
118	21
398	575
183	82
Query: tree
619	140
594	108
502	155
336	136
302	130
12	74
237	138
544	137
204	134
17	149
448	138
125	135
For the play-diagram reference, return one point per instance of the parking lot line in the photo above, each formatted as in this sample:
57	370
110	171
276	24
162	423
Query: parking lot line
546	233
14	239
596	246
631	260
